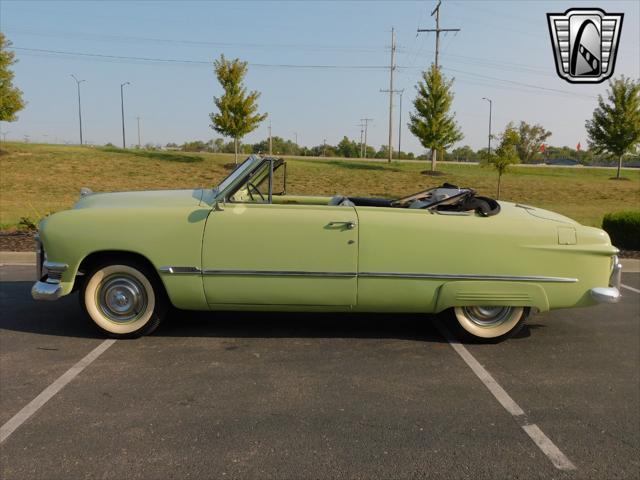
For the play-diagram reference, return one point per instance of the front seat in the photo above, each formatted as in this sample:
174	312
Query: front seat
341	200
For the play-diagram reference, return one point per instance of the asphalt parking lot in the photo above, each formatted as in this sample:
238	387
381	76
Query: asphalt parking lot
238	395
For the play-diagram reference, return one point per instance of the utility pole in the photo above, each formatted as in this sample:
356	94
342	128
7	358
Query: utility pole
4	135
324	147
78	82
270	141
138	119
296	135
124	143
361	125
400	124
490	108
392	67
437	30
366	126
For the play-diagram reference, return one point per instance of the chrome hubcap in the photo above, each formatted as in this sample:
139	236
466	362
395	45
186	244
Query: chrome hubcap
122	298
488	316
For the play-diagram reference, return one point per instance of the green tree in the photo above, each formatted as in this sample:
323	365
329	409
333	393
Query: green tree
615	126
432	123
10	97
506	154
237	109
348	148
531	138
464	154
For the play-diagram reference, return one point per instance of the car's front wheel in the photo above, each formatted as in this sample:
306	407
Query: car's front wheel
124	299
490	323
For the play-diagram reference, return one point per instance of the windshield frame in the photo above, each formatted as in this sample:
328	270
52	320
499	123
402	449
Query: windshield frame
236	176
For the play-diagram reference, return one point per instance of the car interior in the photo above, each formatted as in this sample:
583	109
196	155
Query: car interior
267	184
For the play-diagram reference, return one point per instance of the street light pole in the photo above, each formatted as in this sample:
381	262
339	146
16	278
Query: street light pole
124	144
490	109
78	82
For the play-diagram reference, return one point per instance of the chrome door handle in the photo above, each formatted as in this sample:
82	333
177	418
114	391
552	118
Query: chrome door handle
349	225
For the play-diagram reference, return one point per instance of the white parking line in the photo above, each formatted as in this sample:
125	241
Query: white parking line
553	453
630	288
34	405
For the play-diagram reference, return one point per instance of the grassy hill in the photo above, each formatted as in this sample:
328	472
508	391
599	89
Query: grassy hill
39	179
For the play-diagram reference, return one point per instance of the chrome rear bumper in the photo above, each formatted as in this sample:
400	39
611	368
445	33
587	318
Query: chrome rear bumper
610	294
605	294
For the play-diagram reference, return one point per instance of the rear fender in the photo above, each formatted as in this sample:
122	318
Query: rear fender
494	293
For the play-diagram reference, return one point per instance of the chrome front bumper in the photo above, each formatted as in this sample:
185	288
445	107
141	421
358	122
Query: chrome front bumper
46	291
610	294
49	275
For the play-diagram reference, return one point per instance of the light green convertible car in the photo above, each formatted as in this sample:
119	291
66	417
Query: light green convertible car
248	245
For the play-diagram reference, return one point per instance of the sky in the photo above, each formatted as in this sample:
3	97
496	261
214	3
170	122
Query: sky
319	66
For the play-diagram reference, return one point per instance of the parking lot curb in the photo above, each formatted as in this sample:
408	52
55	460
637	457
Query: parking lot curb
17	258
630	265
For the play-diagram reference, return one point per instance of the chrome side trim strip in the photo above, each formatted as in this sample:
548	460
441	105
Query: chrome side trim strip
463	276
299	273
279	273
180	270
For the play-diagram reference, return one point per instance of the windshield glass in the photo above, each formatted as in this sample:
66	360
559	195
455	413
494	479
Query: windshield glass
237	173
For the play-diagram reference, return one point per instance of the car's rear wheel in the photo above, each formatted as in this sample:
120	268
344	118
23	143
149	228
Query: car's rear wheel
124	299
490	323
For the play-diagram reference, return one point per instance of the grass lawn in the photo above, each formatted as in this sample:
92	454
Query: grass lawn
39	179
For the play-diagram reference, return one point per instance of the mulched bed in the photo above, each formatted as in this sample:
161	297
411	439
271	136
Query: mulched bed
24	242
17	242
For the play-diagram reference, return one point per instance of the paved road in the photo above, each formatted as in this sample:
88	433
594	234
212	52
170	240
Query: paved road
326	396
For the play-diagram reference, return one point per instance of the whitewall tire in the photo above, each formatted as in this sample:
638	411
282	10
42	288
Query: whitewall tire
490	323
124	299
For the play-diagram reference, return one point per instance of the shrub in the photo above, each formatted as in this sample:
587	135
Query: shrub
624	229
27	223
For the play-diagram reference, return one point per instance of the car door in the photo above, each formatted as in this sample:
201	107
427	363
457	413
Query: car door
273	254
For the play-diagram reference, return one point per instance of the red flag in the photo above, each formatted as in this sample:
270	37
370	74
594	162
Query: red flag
542	148
578	146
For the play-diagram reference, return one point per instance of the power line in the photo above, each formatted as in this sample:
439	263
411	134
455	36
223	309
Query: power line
194	62
129	38
165	61
529	85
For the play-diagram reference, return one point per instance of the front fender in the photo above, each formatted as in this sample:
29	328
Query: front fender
167	236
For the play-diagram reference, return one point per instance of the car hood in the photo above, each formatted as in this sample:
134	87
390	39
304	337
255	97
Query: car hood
142	199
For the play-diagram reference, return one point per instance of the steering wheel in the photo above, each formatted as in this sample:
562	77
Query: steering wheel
251	186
